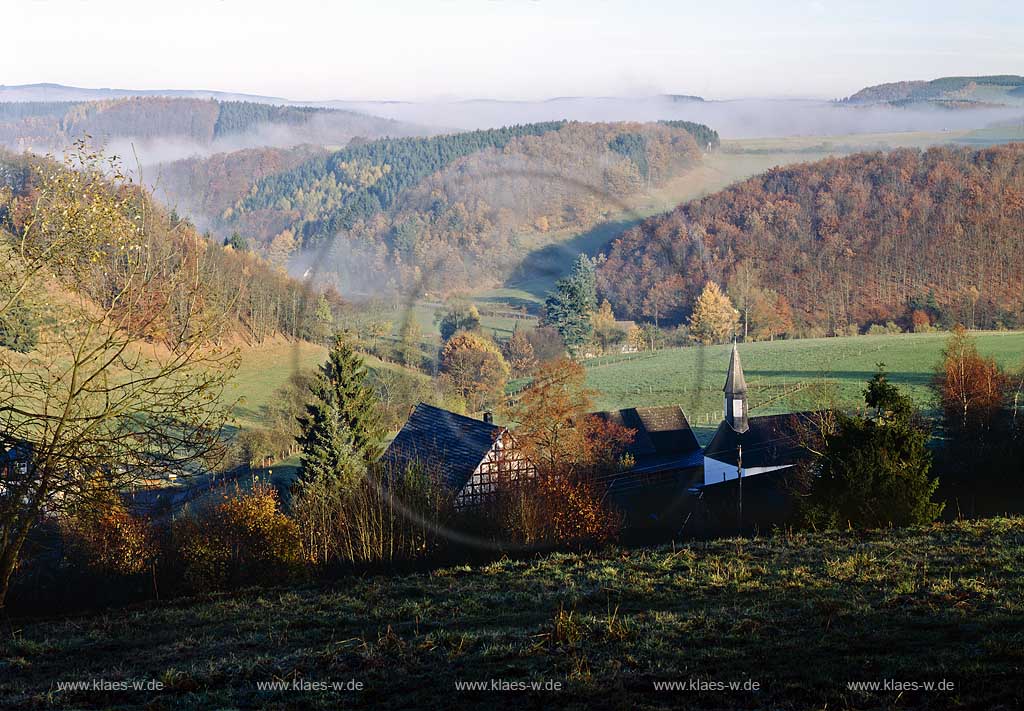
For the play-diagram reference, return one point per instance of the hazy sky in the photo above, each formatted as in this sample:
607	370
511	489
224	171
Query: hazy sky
321	49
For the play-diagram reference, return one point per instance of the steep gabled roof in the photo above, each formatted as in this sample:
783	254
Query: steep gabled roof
734	381
443	441
660	431
18	451
772	440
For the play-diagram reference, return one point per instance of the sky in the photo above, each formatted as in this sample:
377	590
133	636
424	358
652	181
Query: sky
506	49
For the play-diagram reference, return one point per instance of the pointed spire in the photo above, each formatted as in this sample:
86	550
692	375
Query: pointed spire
735	383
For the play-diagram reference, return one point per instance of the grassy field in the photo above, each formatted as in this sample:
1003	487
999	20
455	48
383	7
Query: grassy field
267	367
799	615
783	376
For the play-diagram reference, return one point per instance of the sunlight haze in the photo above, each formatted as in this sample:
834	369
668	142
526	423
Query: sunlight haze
318	50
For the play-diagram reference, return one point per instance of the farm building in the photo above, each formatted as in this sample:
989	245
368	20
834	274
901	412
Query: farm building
14	460
472	456
667	461
663	447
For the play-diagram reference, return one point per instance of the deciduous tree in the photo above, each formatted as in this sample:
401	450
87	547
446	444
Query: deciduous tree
714	319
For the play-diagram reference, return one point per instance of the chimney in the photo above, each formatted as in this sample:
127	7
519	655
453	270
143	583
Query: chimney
489	418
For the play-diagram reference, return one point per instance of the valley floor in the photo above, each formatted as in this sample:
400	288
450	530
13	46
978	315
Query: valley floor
793	621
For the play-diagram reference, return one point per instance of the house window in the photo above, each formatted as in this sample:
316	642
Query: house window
737	408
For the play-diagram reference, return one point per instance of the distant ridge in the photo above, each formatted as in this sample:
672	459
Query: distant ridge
955	92
59	92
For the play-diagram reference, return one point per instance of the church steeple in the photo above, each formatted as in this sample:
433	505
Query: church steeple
736	394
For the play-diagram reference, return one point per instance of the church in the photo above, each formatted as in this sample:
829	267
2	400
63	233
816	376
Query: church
751	445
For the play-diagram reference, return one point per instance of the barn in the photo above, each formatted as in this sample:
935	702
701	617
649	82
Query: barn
472	457
667	459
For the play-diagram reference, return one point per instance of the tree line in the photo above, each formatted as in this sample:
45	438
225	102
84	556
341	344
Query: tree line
52	125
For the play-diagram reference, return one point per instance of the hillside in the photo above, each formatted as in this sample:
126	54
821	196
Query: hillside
203	187
256	299
61	92
450	211
854	240
802	615
172	127
951	92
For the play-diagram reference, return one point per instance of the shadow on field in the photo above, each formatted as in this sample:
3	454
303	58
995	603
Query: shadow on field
537	273
857	375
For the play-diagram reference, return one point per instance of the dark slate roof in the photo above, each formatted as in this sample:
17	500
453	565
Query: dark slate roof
734	381
443	441
772	440
663	436
20	451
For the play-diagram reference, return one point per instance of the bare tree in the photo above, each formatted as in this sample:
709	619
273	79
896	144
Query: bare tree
126	380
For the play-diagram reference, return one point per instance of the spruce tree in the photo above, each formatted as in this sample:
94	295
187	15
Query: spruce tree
341	431
570	306
875	470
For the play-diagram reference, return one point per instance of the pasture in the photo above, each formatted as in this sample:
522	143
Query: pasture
800	615
783	376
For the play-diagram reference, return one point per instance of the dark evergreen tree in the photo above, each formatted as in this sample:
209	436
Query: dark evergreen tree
341	430
875	470
237	242
459	316
570	306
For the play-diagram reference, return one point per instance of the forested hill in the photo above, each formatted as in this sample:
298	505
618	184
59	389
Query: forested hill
52	126
947	91
464	209
855	240
203	187
331	193
257	297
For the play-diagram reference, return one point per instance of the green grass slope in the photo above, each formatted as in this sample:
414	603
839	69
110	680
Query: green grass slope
783	375
799	615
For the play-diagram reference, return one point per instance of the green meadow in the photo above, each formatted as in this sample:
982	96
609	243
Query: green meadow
783	376
802	616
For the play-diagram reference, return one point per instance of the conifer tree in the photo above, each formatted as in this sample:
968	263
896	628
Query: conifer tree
341	430
570	306
875	470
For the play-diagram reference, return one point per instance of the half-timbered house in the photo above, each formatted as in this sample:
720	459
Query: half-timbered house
471	457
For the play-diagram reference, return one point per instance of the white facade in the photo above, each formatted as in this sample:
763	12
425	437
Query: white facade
503	463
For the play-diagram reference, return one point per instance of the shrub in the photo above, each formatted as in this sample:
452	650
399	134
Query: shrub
386	516
111	541
874	471
549	511
19	330
243	539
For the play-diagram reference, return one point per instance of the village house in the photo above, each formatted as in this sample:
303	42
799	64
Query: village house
666	462
15	461
471	456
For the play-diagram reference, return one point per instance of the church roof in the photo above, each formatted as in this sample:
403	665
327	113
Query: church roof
443	441
663	434
734	381
771	440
